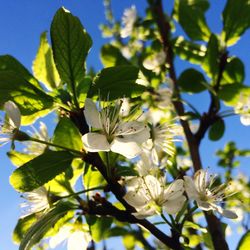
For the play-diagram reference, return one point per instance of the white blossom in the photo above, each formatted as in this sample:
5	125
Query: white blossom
243	109
155	61
162	138
150	196
123	137
11	124
206	194
35	201
76	239
128	21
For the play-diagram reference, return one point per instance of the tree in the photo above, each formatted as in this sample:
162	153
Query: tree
126	133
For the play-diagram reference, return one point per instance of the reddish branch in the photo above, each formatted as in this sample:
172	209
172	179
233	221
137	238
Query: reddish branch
207	119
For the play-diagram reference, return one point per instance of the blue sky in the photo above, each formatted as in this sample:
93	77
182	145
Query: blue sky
22	22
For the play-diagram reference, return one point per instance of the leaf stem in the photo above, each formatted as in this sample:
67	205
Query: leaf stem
79	153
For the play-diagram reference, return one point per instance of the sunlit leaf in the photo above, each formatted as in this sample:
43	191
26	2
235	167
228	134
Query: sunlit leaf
236	20
44	66
244	243
117	82
32	101
70	44
44	224
40	170
67	134
19	158
191	16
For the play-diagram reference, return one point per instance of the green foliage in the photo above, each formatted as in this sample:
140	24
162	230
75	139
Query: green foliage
236	20
22	227
99	227
67	135
192	81
9	63
40	170
44	224
92	177
44	66
234	71
190	51
244	243
217	130
190	15
112	56
211	60
70	44
117	82
31	101
19	158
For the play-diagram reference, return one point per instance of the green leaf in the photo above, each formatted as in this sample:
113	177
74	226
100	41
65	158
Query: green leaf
234	71
210	63
190	224
44	66
190	15
9	63
217	130
117	82
44	224
82	90
31	101
19	158
22	227
236	20
71	44
186	50
99	227
67	134
92	177
112	56
40	170
191	81
230	93
244	243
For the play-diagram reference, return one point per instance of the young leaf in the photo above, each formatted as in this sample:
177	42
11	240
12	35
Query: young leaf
40	170
44	224
99	227
216	130
192	81
190	15
234	71
66	134
244	243
9	63
236	20
31	101
44	66
112	56
70	44
117	82
22	227
210	63
186	50
19	158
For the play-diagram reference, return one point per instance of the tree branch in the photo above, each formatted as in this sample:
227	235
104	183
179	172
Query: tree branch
193	141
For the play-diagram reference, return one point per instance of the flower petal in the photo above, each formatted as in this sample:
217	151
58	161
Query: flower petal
174	206
78	240
153	186
94	142
128	149
174	190
13	113
136	199
145	212
203	205
92	115
190	188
